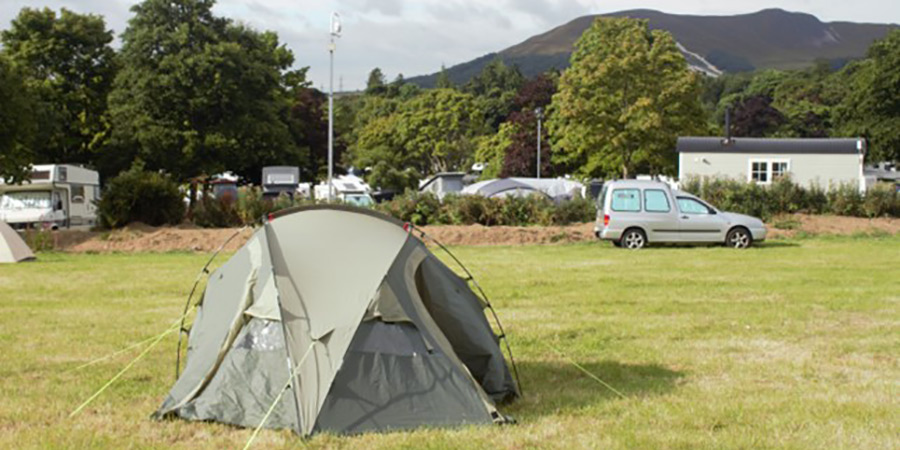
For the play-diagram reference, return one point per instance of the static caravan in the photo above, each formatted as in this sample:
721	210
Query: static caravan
57	196
824	162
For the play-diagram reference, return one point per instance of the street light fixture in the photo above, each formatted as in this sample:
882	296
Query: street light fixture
335	32
539	112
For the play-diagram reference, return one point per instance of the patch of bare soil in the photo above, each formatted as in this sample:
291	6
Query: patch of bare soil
143	238
149	239
482	235
791	225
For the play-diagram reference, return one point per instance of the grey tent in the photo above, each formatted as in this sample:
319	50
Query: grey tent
374	332
502	187
12	248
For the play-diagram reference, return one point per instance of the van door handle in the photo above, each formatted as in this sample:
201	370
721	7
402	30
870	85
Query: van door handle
685	217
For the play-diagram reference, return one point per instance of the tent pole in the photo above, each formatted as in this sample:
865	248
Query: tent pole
486	301
187	304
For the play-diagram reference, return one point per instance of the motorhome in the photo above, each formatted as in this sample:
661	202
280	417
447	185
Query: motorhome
347	189
56	196
277	180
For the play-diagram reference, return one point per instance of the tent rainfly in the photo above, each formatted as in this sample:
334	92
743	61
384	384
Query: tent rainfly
338	319
12	248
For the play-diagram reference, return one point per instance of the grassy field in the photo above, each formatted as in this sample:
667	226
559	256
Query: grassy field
794	345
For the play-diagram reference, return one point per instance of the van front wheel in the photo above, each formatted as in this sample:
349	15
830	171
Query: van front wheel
633	239
738	238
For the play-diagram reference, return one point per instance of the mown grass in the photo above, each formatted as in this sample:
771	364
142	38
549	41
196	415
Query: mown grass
794	345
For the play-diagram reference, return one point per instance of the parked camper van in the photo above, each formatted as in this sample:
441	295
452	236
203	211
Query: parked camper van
635	213
277	180
57	196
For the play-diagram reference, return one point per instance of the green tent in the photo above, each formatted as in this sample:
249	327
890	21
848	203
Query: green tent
366	327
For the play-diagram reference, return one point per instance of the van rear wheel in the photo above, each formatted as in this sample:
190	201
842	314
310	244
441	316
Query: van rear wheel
633	239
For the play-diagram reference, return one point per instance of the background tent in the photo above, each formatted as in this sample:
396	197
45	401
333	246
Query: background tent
367	327
501	187
557	189
12	248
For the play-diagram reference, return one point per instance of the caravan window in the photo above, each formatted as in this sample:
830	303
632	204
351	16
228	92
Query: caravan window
77	194
25	200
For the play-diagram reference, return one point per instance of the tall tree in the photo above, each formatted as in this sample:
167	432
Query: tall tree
495	88
443	79
376	83
432	132
756	117
198	94
623	102
17	124
872	108
69	67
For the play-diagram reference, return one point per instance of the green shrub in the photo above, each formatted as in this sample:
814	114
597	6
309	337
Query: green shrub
786	197
577	210
211	212
845	200
815	200
137	195
881	200
252	207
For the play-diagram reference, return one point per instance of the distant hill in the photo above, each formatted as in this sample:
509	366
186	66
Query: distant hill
771	38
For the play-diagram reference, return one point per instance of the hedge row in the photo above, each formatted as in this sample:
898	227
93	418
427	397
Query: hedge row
425	209
784	196
143	196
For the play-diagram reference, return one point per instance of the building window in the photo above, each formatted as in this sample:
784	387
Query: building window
626	200
759	171
779	169
764	171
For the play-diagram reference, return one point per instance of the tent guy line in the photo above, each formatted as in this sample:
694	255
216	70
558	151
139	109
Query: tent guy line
284	389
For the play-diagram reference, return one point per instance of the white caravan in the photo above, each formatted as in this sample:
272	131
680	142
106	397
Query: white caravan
57	196
348	189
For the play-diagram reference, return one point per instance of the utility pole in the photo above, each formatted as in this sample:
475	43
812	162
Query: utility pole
335	33
539	112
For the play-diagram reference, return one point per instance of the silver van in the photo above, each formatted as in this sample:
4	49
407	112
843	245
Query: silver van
635	213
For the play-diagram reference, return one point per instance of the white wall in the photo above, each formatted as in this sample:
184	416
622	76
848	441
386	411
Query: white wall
806	169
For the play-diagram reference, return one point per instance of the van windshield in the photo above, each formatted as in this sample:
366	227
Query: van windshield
12	201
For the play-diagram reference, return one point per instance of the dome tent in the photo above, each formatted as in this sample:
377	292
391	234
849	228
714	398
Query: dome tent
12	248
367	328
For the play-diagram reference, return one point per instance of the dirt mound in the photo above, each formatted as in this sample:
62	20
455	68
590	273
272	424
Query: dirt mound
482	235
143	238
793	224
149	239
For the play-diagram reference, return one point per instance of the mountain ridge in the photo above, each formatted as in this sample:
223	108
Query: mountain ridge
769	38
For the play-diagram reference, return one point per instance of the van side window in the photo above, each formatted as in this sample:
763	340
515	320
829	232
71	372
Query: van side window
688	205
626	200
656	200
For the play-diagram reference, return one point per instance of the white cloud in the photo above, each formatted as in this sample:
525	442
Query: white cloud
414	37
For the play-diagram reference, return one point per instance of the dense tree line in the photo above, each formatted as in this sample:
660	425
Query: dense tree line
192	94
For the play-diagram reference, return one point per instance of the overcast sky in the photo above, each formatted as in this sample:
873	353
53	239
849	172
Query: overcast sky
415	37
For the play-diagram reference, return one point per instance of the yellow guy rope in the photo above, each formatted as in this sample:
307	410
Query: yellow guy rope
278	397
587	372
155	340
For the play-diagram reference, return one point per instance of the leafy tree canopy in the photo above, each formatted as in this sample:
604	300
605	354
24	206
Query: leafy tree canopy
69	66
624	100
197	94
17	126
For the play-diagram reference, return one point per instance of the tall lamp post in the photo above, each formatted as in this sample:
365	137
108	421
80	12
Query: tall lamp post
335	33
539	112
